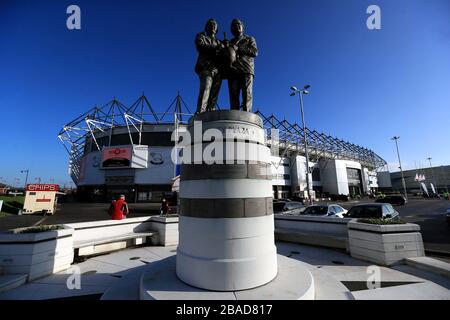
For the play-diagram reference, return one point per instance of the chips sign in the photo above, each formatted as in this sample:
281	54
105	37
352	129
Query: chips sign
42	187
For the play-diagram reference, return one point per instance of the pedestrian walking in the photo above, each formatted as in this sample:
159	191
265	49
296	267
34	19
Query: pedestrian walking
164	207
118	209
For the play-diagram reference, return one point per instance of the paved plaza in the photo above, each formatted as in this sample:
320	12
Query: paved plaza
336	276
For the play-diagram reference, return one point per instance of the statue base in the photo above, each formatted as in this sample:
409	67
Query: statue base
293	282
226	223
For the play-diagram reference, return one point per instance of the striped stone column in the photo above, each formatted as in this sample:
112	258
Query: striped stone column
226	225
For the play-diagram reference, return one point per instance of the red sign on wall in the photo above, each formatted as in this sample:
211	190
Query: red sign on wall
113	157
43	187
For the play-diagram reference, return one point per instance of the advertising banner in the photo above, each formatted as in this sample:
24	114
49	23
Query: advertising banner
120	157
116	157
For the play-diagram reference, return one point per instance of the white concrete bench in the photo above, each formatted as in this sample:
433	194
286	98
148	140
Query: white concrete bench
109	235
106	244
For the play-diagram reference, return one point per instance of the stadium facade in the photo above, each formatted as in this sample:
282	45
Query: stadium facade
427	180
117	149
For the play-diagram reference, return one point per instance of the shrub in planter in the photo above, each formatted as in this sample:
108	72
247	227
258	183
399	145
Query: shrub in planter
380	221
42	228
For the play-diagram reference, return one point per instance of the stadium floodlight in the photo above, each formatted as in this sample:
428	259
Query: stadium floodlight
304	91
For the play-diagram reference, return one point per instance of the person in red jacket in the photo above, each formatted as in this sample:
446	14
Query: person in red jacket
118	209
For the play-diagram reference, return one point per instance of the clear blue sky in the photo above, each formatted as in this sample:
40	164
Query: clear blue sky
366	85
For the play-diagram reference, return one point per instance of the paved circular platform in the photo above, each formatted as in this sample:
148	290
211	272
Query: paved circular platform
293	282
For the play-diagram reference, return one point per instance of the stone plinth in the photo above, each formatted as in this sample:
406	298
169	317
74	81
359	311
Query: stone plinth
293	282
226	224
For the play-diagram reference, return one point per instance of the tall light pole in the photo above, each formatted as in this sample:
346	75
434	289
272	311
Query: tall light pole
300	93
395	138
434	177
26	177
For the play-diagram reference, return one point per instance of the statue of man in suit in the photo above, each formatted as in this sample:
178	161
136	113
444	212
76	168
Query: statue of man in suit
207	68
242	71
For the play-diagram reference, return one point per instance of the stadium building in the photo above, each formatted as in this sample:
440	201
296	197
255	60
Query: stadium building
428	180
117	149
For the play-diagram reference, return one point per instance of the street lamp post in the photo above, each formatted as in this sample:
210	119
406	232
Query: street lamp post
432	173
26	177
395	138
300	93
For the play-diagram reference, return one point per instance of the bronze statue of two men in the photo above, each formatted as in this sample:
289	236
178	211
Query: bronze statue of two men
225	59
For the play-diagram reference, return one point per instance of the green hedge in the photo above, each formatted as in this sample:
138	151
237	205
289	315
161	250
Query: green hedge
42	228
382	221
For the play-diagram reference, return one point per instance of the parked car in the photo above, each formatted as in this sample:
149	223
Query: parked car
298	199
324	210
394	199
447	216
288	207
372	210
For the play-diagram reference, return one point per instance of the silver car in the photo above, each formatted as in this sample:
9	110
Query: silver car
288	207
325	210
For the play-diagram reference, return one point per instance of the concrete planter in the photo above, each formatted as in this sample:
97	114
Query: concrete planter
319	231
384	244
36	254
167	228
